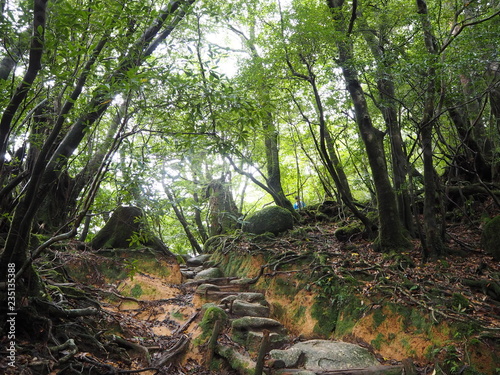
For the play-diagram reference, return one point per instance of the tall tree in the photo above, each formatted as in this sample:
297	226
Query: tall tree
391	235
378	42
270	130
59	145
433	244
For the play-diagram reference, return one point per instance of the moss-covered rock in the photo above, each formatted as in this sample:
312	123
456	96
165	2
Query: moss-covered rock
213	313
209	273
272	219
346	232
326	355
490	237
243	364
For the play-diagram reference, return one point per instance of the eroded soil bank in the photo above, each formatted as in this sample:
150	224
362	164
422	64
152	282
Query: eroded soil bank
148	314
394	304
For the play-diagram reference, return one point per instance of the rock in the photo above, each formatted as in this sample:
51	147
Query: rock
211	314
241	363
243	308
248	297
242	281
490	238
272	219
254	340
206	287
246	329
197	269
209	273
275	363
324	355
346	232
198	261
250	322
188	274
290	356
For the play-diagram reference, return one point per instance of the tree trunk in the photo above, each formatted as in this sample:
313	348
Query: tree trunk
197	219
468	163
273	165
182	219
273	179
387	106
127	228
326	147
19	234
398	155
48	167
10	60
224	214
391	235
34	66
433	244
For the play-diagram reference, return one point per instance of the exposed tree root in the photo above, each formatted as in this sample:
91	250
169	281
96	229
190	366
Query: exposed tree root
72	349
179	347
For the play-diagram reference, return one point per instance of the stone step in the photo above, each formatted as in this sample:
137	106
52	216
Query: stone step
240	362
209	273
252	323
188	274
246	296
243	308
329	357
198	260
246	330
254	341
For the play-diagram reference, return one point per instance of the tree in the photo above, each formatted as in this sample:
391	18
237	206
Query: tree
433	245
269	129
378	42
61	141
391	234
308	50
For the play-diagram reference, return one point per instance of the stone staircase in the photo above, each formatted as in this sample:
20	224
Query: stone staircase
260	344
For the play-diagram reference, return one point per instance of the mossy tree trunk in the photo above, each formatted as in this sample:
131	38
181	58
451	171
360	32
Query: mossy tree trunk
433	242
125	228
391	236
388	108
223	215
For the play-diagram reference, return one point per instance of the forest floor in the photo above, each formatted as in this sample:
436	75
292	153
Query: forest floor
160	319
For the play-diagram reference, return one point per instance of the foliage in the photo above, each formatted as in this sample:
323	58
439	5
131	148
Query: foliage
115	104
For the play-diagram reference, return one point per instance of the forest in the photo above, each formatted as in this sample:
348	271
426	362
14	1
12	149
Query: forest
200	113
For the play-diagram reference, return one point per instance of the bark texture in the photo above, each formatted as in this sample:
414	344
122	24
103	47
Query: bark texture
391	235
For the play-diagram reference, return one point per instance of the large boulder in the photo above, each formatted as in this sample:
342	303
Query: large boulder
324	355
490	238
272	219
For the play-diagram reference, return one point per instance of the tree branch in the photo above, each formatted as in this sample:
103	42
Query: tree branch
34	66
